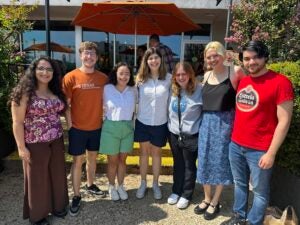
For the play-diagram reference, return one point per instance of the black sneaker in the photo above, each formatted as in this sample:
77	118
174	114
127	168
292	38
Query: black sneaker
93	189
235	220
75	205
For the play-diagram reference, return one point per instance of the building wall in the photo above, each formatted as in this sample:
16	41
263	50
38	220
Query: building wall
205	4
219	30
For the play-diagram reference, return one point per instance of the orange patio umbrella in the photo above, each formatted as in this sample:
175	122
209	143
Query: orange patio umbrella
53	47
134	18
142	18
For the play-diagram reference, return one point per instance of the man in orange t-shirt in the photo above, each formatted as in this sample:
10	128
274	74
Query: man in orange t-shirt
84	90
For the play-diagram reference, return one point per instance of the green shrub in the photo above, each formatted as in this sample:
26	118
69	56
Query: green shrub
289	155
13	22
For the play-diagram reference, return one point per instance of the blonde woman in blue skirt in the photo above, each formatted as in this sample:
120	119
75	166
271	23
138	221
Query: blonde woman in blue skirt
218	95
117	130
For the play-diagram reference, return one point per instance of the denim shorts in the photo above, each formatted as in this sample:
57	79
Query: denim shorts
82	140
156	135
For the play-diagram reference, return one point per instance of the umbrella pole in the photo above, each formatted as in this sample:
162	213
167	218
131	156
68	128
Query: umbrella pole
47	25
135	50
228	22
114	49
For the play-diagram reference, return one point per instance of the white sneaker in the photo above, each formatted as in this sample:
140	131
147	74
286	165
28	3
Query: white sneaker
113	193
156	191
122	192
142	190
173	199
182	203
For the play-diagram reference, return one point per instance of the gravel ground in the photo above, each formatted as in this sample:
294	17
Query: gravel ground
96	210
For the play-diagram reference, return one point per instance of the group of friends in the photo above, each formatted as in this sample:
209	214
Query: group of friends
232	123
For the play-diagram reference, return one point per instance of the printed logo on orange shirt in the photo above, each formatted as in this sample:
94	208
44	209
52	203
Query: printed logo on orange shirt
86	86
247	99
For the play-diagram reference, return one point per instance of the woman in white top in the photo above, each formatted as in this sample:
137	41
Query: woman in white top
151	129
117	130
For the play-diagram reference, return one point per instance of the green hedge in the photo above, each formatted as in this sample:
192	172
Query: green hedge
289	155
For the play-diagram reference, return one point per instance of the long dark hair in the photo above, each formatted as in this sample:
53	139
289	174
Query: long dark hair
28	83
113	74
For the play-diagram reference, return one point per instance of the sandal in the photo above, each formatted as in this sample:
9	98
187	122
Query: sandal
211	216
198	210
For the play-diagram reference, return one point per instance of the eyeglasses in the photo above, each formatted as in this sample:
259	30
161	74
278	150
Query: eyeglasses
42	69
91	53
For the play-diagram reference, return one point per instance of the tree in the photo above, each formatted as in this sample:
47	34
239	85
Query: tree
277	23
13	22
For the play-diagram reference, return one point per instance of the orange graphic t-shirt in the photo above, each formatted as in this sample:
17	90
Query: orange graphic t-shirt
85	91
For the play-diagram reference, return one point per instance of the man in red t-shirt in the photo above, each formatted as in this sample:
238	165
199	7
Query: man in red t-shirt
264	105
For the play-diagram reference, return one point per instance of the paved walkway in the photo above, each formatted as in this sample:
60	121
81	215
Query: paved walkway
97	210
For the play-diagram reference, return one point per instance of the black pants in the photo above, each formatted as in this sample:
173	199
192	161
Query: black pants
184	168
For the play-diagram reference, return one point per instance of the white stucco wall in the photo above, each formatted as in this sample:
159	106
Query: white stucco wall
219	31
205	4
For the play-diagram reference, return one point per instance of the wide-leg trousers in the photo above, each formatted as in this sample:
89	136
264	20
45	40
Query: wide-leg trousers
45	181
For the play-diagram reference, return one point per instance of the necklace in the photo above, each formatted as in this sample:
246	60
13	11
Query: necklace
217	78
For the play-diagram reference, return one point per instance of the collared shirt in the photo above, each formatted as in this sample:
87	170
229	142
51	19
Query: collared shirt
119	105
153	101
168	56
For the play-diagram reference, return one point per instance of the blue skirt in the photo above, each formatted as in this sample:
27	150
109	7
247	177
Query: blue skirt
213	147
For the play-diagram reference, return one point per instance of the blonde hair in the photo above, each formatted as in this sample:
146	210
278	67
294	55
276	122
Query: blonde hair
192	83
88	45
144	72
217	46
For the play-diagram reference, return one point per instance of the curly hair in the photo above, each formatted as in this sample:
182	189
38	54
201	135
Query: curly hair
28	84
144	72
113	74
192	83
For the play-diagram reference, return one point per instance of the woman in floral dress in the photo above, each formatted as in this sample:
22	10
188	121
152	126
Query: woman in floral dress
36	104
